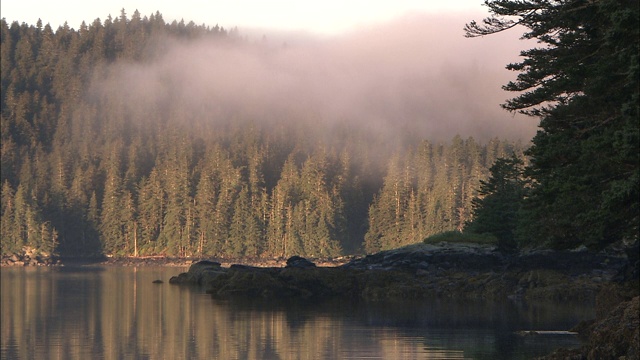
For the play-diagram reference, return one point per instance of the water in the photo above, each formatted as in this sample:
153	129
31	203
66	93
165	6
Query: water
119	313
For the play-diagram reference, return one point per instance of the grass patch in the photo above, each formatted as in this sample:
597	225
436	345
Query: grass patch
460	237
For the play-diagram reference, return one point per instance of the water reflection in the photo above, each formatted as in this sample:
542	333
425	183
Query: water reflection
119	313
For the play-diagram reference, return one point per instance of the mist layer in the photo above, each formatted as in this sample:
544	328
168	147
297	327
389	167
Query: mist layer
415	75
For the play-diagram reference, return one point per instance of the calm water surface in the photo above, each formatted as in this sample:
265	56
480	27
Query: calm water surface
119	313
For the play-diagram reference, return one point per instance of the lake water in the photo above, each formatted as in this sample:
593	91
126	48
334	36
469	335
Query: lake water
119	313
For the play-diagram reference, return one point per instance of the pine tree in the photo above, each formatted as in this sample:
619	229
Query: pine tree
496	209
8	240
386	214
583	83
284	197
111	220
241	240
151	211
178	187
206	199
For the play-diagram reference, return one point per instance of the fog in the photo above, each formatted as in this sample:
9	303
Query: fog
417	74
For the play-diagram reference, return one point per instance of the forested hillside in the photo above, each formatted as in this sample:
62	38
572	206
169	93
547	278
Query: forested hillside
86	172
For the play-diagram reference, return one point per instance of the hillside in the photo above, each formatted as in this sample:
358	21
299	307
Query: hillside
99	156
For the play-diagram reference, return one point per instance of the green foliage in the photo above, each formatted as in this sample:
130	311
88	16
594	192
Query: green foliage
86	172
431	190
583	83
462	237
496	208
22	224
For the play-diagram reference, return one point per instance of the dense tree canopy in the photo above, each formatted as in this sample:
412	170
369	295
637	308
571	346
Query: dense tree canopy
87	173
582	81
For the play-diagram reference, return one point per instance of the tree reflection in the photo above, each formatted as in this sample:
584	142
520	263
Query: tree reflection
119	313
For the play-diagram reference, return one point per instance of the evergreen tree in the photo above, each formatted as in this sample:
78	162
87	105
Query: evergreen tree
242	232
205	211
111	221
8	233
386	214
496	209
177	183
151	210
584	85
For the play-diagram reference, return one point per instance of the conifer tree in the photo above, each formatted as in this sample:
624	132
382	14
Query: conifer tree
496	209
151	210
8	232
205	211
583	84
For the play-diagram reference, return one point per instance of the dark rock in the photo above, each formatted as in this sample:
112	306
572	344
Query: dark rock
631	270
299	262
199	273
158	281
243	267
609	297
248	283
182	278
419	271
614	333
583	329
204	264
617	335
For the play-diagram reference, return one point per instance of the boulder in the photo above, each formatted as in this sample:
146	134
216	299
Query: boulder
299	262
200	273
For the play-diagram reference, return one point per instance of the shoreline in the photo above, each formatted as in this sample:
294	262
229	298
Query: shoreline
165	261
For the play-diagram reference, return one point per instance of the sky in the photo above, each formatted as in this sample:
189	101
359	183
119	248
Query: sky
319	17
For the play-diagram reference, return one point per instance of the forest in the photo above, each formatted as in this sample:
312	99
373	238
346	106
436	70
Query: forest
88	172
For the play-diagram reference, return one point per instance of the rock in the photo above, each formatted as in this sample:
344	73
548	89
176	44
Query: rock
299	262
180	279
243	267
609	297
158	281
617	335
614	336
419	271
199	273
29	257
249	283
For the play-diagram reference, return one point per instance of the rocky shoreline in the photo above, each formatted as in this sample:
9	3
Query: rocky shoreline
422	271
24	259
612	335
462	271
29	258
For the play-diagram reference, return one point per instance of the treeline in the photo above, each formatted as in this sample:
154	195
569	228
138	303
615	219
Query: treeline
86	172
430	190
